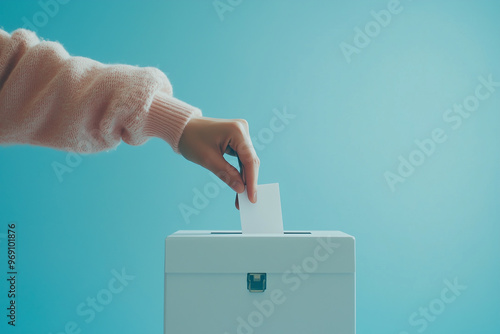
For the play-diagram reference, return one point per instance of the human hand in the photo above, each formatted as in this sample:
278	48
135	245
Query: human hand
205	140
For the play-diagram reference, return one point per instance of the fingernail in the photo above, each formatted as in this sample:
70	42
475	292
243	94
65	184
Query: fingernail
255	197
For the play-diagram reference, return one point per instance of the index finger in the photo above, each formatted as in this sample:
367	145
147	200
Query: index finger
249	163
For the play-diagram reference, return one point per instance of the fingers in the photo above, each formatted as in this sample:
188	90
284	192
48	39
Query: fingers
242	171
206	140
249	162
250	166
227	173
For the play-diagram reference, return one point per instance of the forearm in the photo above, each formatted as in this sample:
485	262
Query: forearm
49	98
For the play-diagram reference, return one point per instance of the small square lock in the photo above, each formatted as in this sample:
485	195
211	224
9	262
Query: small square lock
256	282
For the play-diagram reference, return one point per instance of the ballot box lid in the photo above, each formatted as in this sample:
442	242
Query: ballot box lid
315	252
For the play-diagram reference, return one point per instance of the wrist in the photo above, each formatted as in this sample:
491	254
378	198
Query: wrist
167	118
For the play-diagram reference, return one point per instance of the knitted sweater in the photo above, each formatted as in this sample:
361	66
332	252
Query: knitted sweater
49	98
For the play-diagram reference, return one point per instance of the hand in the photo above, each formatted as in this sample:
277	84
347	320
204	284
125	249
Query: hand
205	141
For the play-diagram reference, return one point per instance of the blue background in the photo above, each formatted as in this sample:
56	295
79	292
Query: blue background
352	122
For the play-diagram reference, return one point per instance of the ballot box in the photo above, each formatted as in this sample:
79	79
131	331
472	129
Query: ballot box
226	282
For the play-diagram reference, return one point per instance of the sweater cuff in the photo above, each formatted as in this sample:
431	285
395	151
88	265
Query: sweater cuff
167	118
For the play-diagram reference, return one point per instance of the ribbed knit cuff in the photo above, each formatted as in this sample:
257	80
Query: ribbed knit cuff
167	118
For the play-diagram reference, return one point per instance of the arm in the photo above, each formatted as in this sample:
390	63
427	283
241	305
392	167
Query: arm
49	98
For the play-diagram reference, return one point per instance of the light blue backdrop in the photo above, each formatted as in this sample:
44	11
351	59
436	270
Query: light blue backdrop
354	115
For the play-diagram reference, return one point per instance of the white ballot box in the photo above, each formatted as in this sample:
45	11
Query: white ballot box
223	282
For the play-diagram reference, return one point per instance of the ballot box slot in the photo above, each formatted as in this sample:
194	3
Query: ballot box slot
286	232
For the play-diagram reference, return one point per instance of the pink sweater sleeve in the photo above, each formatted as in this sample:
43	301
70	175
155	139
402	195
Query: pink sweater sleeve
49	98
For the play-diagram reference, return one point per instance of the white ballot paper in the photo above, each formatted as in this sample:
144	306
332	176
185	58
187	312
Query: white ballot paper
263	216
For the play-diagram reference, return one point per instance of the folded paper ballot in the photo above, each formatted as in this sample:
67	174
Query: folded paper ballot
265	215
